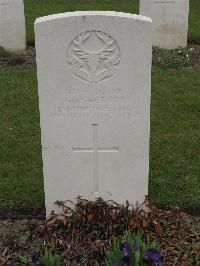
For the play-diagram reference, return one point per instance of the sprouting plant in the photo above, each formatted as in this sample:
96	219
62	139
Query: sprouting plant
134	250
49	259
22	259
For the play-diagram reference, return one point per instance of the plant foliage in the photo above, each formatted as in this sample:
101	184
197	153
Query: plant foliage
139	245
49	259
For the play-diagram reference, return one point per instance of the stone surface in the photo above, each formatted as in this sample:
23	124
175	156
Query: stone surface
94	78
170	21
12	25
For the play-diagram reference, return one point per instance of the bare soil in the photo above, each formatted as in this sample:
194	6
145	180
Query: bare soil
177	233
25	59
182	58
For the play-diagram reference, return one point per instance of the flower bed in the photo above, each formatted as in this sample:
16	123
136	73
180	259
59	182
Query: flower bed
87	233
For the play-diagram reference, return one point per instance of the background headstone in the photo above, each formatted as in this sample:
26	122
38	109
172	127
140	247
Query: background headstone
94	78
12	25
170	21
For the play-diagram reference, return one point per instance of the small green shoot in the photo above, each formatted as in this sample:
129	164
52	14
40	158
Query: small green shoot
49	259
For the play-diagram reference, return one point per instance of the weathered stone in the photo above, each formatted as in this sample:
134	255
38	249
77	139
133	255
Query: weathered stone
12	25
170	21
94	78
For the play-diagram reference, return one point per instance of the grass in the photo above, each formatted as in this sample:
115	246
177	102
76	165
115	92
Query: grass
175	142
38	8
174	164
21	184
194	21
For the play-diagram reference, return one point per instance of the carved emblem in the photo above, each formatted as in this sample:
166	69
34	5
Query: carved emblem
93	56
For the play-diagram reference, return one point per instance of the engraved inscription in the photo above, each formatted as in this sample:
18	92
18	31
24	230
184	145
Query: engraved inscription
95	150
93	56
100	104
3	4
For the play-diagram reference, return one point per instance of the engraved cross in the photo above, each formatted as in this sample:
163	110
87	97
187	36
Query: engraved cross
163	3
96	150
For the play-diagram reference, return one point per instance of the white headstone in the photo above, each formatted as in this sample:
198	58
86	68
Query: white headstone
170	21
94	78
12	25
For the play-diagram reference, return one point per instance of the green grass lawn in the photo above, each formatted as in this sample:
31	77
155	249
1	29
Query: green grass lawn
38	8
175	138
194	21
175	143
21	184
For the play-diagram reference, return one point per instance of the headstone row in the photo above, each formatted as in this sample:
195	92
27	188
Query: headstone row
170	23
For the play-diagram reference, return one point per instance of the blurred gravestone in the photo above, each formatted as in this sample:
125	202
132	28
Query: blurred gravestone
94	79
12	25
170	21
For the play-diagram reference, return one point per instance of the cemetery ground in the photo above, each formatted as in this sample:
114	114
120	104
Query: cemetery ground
174	161
174	155
174	164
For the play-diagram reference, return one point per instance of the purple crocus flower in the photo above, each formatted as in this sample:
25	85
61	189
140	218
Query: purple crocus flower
126	252
35	257
154	256
126	247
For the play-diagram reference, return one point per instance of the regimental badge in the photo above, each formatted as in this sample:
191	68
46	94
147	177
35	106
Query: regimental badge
93	56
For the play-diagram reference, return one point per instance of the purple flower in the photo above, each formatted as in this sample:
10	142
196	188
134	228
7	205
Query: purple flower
126	247
144	238
154	256
35	257
135	246
126	252
11	263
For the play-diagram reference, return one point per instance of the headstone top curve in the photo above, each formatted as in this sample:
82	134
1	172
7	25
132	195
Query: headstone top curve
92	13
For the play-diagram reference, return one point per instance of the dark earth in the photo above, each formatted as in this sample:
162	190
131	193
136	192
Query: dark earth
82	235
181	58
23	232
